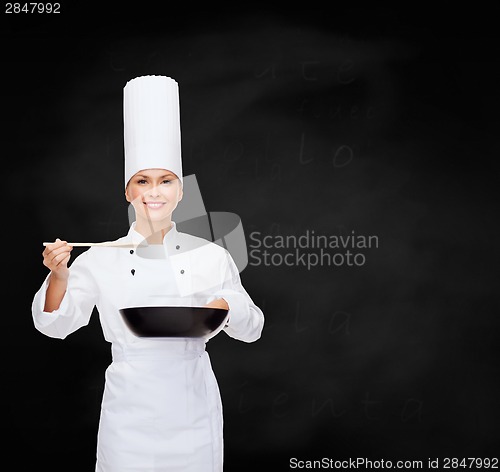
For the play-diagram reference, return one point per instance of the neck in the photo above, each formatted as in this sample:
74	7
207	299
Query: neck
154	232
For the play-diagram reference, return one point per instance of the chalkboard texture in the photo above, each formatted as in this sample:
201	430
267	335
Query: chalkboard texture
359	149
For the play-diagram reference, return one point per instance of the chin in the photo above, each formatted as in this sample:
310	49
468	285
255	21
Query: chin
155	217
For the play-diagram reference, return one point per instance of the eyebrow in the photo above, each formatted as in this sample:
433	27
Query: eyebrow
152	177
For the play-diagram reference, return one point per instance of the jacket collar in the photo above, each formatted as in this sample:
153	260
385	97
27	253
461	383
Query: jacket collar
170	239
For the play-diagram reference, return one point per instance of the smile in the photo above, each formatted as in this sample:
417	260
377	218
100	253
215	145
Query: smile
154	205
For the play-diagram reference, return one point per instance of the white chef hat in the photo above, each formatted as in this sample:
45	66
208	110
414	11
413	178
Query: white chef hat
152	132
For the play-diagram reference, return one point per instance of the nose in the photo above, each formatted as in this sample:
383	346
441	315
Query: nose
154	192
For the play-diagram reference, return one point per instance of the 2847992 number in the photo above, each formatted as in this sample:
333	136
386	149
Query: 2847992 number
470	463
32	7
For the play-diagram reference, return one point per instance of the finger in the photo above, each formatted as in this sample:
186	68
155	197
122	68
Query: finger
57	263
55	251
63	262
56	260
56	256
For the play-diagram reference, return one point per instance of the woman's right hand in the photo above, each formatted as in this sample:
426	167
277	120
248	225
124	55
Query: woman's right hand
56	257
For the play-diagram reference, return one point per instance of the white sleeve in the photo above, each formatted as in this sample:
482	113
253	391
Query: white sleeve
246	320
76	306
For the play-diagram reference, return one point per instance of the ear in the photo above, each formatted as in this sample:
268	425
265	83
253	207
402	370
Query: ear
181	194
126	194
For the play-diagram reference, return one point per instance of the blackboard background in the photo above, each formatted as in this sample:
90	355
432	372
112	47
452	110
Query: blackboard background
377	121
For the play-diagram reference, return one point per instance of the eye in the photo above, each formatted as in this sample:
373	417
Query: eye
167	182
142	181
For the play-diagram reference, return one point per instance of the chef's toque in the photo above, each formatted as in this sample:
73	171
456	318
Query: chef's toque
152	132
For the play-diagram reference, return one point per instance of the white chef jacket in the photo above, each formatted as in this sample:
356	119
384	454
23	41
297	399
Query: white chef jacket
161	408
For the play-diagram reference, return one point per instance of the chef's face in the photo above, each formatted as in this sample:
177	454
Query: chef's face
154	193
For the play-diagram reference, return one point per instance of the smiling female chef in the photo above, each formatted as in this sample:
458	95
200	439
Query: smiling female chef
161	408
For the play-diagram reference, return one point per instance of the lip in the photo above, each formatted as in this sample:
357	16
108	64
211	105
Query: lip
154	205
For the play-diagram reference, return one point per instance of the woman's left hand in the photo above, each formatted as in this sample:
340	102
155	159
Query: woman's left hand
218	303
